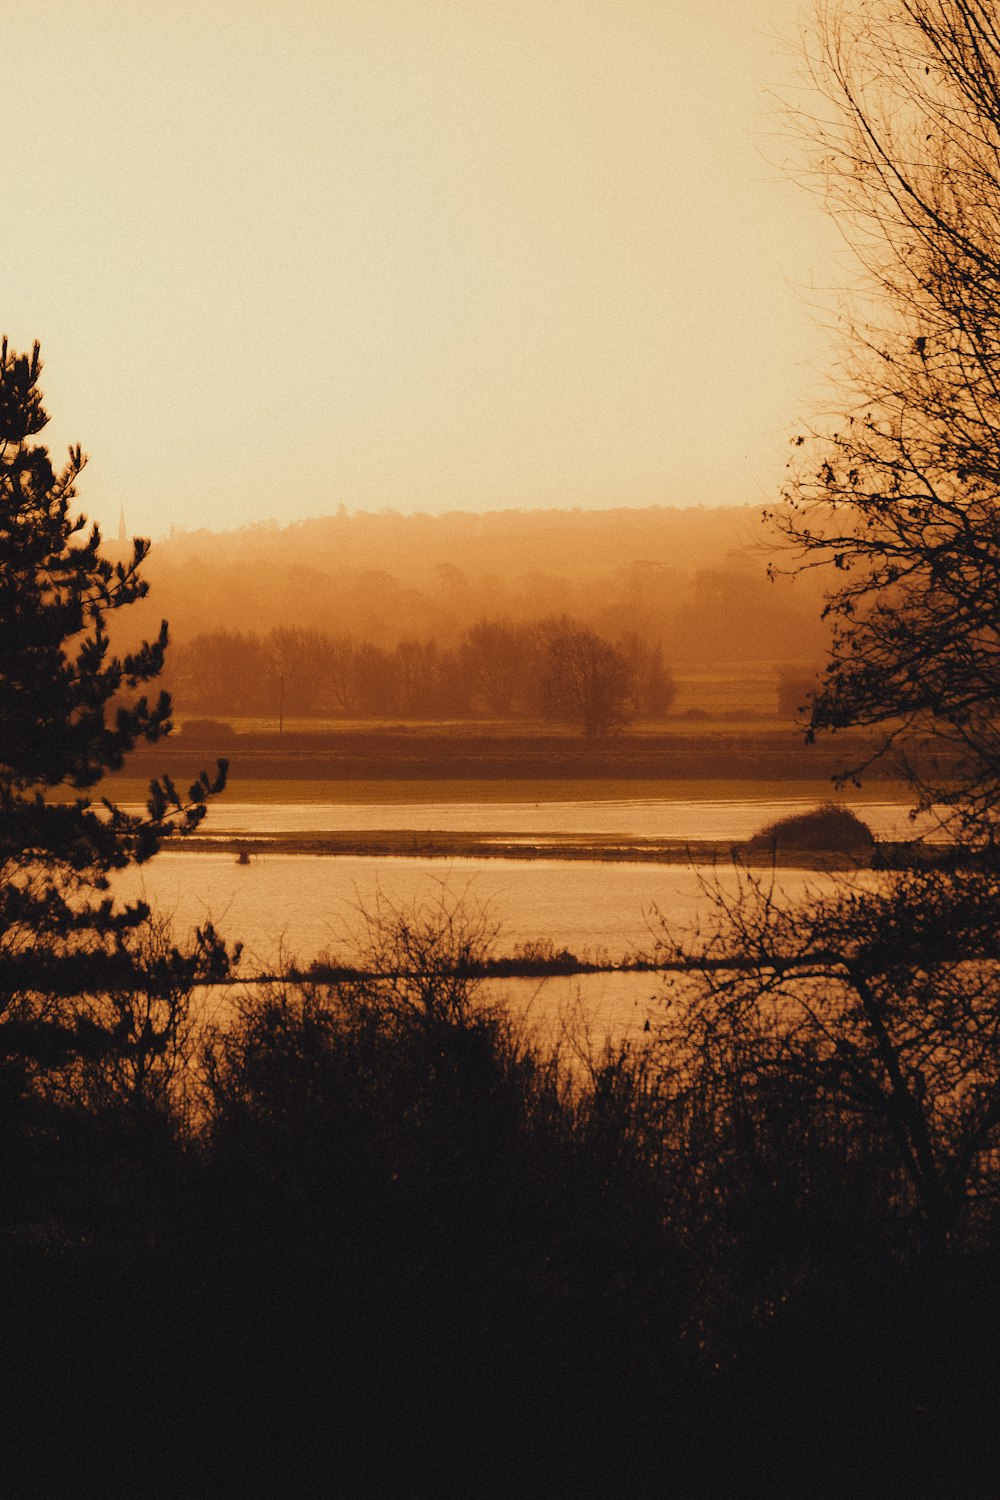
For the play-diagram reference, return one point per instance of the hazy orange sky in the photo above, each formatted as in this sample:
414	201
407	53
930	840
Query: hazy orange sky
426	254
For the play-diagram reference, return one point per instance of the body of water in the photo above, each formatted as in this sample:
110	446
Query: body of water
294	907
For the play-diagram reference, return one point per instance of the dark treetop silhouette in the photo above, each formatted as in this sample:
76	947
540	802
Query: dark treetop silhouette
69	712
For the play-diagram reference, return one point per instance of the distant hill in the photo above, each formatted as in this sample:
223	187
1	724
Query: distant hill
694	580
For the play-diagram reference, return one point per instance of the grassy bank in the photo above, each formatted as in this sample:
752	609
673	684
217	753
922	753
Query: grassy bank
473	752
333	793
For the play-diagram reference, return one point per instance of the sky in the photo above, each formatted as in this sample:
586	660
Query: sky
287	255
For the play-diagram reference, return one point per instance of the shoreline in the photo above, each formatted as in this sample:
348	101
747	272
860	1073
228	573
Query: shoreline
434	844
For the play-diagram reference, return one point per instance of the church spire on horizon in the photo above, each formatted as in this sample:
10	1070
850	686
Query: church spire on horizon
122	533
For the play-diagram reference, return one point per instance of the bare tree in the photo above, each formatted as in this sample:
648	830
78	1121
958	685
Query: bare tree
343	674
871	1016
583	679
224	671
302	659
650	687
902	490
876	1009
492	656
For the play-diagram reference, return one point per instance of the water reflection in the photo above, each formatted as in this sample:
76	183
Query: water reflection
287	907
296	906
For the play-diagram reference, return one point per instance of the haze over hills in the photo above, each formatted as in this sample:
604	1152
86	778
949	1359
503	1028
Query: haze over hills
692	580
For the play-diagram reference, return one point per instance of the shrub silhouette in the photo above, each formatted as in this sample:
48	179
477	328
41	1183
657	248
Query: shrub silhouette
469	1252
828	828
411	1252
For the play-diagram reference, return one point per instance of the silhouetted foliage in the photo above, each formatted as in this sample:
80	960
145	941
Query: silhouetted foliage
553	669
70	711
904	494
829	827
408	1250
877	1007
582	679
466	1240
830	1074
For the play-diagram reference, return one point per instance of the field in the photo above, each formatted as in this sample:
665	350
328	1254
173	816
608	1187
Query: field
465	752
442	790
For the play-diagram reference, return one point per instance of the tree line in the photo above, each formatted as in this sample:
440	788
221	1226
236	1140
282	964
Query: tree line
696	581
556	669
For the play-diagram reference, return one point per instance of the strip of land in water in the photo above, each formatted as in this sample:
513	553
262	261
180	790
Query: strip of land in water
446	844
763	752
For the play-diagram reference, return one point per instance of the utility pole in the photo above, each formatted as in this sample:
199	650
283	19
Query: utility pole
281	702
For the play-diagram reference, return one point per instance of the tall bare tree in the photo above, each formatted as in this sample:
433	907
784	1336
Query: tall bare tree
902	491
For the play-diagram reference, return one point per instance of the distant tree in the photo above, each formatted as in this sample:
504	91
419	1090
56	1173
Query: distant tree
650	688
69	713
454	583
344	687
417	672
493	660
583	679
376	678
225	672
303	659
730	612
497	668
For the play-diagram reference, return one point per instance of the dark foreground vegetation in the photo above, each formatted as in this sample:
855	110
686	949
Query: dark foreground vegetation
368	1239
